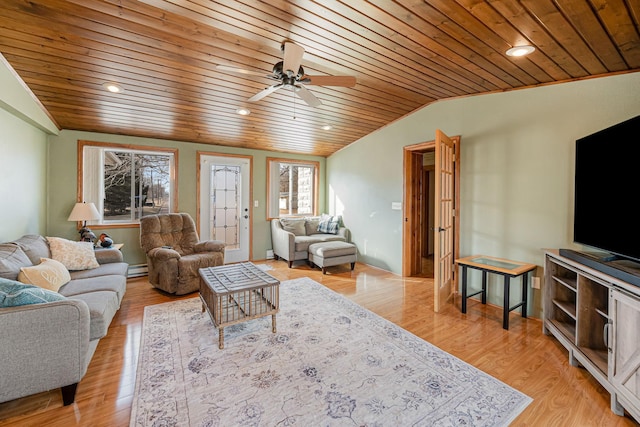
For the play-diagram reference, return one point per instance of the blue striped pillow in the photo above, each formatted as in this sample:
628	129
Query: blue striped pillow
329	224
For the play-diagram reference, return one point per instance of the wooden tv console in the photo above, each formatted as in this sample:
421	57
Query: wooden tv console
596	317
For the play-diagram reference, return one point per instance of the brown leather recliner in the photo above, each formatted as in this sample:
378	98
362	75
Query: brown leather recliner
174	252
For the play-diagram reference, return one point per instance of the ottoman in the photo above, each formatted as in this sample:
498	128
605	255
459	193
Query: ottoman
327	254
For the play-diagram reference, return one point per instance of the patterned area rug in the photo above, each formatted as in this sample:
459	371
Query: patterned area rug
331	363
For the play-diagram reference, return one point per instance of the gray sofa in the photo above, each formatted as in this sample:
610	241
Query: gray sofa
291	237
49	345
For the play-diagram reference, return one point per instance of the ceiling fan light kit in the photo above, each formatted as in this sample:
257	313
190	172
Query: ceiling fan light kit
290	75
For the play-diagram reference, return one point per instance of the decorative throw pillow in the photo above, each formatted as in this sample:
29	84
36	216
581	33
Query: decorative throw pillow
295	226
73	255
35	246
49	274
329	224
311	225
14	293
11	259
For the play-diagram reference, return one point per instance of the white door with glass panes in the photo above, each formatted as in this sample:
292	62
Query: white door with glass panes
225	204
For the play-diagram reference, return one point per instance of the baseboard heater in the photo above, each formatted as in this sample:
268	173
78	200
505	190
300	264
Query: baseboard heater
137	270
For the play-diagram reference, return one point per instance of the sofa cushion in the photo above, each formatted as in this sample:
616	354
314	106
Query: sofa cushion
49	274
12	258
302	242
119	268
113	283
14	294
35	246
332	249
321	237
311	225
329	224
103	306
74	255
293	225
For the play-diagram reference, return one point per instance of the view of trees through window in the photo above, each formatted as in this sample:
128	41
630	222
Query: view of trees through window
296	189
135	184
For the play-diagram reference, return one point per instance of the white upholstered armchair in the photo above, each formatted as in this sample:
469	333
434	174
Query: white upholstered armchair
291	237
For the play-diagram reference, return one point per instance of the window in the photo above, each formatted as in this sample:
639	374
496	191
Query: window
292	188
126	182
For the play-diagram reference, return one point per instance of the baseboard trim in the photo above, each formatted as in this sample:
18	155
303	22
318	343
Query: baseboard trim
138	270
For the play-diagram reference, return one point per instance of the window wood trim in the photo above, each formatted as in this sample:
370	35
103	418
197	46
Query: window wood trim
113	145
316	182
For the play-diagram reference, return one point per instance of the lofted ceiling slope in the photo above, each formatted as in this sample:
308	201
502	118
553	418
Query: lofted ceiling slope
404	54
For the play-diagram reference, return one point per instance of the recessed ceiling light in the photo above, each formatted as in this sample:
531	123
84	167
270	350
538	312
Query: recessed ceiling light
326	127
243	111
112	87
520	50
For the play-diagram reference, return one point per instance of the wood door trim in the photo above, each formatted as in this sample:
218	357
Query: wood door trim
408	152
408	206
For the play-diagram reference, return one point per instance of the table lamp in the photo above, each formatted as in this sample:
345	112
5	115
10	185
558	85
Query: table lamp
84	212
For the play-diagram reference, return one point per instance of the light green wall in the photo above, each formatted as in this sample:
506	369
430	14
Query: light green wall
23	185
23	158
516	169
18	100
63	188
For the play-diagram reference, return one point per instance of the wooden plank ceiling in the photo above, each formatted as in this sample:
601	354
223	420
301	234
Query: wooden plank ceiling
403	53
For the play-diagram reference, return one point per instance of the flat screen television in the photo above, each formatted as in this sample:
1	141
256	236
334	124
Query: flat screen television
607	190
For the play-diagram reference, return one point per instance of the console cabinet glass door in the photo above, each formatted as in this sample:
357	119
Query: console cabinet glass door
625	369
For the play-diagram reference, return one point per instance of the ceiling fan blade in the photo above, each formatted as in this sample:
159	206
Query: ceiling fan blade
240	70
292	58
258	96
307	96
345	81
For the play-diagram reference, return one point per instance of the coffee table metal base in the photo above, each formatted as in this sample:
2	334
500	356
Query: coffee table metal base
237	293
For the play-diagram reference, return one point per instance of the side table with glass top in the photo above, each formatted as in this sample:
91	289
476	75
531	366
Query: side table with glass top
508	269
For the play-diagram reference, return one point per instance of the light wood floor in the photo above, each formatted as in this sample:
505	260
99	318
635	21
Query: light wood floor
522	357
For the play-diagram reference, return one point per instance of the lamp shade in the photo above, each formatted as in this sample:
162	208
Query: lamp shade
84	212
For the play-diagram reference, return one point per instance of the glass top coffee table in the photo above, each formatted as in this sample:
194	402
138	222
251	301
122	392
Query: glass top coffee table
237	293
504	267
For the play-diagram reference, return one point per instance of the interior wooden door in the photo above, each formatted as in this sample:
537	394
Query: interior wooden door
427	212
411	232
444	221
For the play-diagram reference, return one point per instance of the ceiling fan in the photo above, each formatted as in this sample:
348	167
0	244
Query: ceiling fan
290	75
